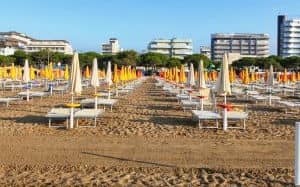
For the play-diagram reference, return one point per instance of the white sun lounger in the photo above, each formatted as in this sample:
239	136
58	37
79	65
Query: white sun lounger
33	94
88	114
60	114
8	100
289	105
202	115
236	115
100	101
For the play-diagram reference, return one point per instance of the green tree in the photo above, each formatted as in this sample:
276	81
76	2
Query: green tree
173	62
195	59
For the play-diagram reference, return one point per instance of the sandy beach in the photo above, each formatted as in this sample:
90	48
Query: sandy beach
147	140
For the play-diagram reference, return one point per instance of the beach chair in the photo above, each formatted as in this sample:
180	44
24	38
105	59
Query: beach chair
8	100
289	105
33	94
88	114
203	115
100	101
239	113
58	114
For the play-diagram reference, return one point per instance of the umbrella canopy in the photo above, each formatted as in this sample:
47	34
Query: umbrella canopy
108	77
32	73
13	72
66	73
95	79
270	80
26	74
116	75
201	76
191	76
182	78
76	75
223	82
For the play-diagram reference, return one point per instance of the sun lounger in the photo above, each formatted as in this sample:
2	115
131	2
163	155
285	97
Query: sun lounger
58	114
202	115
236	115
100	101
33	94
8	100
88	114
288	105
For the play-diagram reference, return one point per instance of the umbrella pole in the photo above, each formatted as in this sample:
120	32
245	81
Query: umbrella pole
225	122
72	113
27	92
297	154
96	99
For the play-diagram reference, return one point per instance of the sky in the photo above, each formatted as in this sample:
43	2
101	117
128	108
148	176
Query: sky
86	24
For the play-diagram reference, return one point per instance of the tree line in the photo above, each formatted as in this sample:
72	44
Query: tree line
130	57
153	60
279	63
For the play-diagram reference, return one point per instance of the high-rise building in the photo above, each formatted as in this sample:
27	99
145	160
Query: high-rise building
288	36
255	45
112	47
174	47
12	41
204	50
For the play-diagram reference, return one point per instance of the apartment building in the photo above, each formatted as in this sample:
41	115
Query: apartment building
112	47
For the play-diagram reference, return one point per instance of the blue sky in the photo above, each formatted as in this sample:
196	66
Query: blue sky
88	23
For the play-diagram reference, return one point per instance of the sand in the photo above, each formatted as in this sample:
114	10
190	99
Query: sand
147	140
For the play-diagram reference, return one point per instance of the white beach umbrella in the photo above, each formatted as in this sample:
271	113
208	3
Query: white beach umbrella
201	76
223	86
108	78
191	76
95	80
26	77
271	77
76	86
270	83
223	82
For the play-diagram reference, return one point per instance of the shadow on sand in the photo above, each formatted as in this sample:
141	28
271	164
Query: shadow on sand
129	160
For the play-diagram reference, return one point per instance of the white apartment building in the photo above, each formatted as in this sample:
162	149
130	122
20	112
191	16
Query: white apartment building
174	47
12	41
112	47
204	50
255	45
288	37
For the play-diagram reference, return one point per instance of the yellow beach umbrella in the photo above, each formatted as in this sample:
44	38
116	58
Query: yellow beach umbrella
66	73
231	75
13	73
246	77
182	75
285	76
32	73
87	73
116	76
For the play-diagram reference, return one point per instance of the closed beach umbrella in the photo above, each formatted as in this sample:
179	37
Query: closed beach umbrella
182	78
76	87
271	80
26	76
285	77
116	75
201	76
223	87
66	73
108	77
223	82
32	73
95	79
13	75
191	77
87	74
